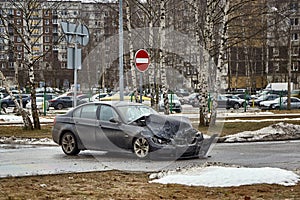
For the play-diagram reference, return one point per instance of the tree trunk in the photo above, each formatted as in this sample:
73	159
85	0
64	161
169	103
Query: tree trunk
131	53
162	56
25	115
221	58
34	110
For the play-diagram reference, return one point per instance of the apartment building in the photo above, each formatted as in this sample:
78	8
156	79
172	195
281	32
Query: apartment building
49	47
251	64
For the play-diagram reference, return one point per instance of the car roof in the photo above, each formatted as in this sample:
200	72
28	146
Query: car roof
115	103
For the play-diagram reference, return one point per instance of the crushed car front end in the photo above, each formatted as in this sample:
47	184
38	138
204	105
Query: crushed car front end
173	137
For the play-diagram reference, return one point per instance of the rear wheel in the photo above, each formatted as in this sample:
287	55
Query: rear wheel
4	105
141	147
69	144
59	106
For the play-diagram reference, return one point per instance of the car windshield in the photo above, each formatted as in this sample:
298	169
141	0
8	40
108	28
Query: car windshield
280	99
7	97
262	97
131	113
234	97
39	99
222	97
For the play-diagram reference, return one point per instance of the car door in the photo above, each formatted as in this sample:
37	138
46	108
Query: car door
85	120
295	103
67	101
108	133
222	102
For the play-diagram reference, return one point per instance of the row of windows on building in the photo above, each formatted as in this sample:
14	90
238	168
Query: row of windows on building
11	65
295	51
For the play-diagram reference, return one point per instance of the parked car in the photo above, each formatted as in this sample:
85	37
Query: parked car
182	93
8	102
267	105
261	98
3	95
125	126
223	102
295	93
244	96
95	97
39	104
61	102
295	103
48	96
174	103
242	102
188	99
129	98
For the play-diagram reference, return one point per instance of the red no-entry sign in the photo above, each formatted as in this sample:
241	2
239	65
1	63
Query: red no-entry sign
142	60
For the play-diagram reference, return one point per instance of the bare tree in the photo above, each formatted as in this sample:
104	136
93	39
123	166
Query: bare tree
25	115
29	34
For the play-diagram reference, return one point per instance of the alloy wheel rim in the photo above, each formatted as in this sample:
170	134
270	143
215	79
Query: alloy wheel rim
141	147
68	143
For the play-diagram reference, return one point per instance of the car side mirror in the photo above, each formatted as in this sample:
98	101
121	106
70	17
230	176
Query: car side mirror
114	120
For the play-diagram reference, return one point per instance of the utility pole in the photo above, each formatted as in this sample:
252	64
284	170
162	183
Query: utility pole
289	65
121	74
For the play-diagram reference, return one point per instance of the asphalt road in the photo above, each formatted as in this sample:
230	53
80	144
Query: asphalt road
25	160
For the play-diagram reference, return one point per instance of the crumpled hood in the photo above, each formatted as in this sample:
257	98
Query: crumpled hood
170	127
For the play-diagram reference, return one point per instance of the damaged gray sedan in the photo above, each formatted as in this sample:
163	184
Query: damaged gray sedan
125	127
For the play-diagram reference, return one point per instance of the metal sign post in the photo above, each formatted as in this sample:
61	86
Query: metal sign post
142	61
75	34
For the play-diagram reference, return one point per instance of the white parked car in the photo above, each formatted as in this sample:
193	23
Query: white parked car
176	105
96	97
39	104
266	105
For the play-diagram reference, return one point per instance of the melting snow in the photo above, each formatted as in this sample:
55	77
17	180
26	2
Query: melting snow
217	176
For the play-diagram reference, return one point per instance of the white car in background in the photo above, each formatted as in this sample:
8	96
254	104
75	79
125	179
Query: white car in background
39	104
95	97
176	105
267	105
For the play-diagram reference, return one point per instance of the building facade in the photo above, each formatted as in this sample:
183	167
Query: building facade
250	64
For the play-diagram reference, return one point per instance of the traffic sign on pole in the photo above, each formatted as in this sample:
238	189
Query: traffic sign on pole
142	60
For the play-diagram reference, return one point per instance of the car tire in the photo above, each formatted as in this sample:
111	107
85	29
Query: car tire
141	147
273	106
4	105
59	106
69	144
236	106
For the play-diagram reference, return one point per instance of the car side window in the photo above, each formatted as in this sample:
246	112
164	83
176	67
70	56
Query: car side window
107	113
77	113
86	112
89	111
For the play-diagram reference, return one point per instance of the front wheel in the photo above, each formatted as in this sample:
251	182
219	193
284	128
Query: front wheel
273	107
69	144
236	106
141	147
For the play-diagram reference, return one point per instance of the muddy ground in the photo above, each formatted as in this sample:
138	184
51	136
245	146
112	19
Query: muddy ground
123	185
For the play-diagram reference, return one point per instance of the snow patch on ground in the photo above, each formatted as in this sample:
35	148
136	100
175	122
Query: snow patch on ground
29	141
12	118
225	176
279	131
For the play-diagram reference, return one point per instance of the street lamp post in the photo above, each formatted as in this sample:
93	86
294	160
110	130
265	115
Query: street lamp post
289	65
121	75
